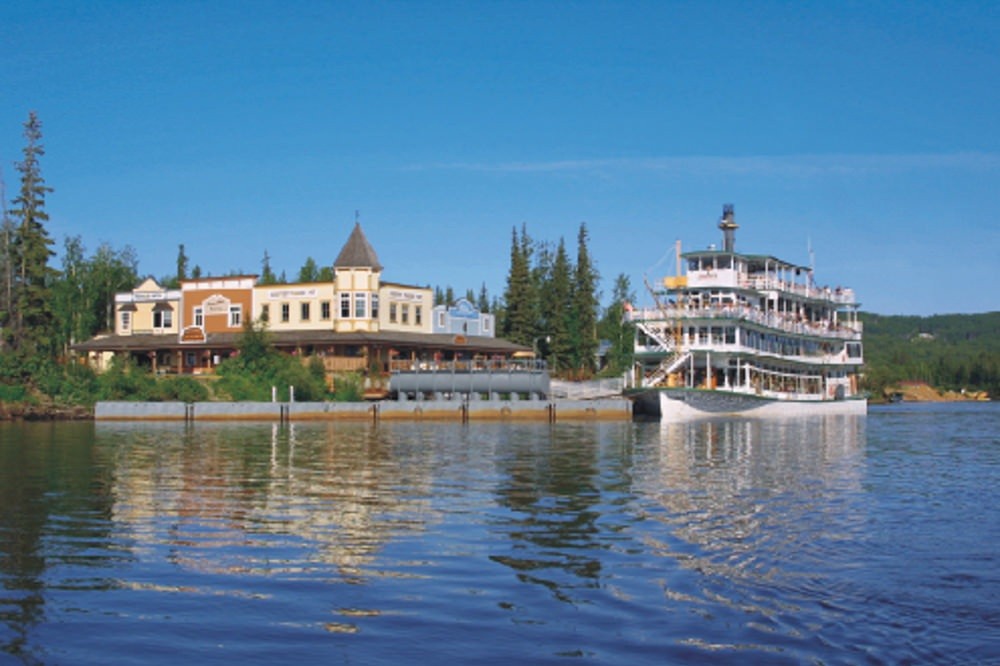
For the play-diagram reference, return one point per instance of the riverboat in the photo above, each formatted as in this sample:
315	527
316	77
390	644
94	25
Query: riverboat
745	334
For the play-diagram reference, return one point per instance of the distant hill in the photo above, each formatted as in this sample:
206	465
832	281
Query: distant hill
950	352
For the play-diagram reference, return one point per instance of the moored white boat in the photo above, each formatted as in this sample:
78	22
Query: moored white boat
747	334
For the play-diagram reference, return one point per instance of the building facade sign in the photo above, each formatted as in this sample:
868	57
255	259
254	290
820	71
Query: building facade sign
215	305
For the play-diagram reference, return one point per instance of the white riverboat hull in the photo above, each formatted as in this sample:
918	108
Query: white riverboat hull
686	404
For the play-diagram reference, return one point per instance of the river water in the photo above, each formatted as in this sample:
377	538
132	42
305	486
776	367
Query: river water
837	540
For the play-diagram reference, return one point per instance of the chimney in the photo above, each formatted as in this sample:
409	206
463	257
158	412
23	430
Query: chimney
729	227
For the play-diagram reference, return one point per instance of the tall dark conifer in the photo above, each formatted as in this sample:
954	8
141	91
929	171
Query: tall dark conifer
585	306
32	323
518	315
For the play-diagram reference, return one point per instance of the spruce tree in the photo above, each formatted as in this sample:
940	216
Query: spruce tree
517	322
556	299
585	306
32	332
616	330
267	275
182	264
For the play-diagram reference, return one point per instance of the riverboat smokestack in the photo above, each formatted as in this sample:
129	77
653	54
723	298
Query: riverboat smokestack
729	227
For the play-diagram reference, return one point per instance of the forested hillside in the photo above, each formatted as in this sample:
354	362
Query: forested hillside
955	351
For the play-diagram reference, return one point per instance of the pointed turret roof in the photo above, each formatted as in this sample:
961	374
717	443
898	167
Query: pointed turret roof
357	252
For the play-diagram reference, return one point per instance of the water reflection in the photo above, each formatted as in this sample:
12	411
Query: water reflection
216	496
726	540
551	491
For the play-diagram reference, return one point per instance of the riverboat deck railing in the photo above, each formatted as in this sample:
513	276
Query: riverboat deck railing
776	320
769	283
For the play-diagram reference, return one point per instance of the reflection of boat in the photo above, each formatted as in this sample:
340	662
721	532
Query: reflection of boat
746	334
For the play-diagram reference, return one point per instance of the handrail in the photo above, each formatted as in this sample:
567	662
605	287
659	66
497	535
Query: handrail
475	365
787	323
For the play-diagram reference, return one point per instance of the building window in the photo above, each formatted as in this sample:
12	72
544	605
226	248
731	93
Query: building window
345	306
235	315
418	315
286	312
374	306
199	317
486	323
406	314
392	313
441	319
304	312
126	320
324	310
265	313
360	301
163	319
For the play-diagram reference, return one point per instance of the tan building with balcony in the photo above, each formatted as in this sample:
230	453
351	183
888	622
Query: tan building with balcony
357	322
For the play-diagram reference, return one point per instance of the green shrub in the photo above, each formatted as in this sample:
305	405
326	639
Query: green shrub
124	381
348	387
12	393
182	389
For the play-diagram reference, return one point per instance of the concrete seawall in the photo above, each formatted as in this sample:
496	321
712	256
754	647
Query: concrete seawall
610	409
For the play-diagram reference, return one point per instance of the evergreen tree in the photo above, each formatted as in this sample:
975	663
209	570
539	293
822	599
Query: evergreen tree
267	275
182	265
32	323
449	296
616	330
438	295
7	234
517	323
585	306
309	271
483	303
557	301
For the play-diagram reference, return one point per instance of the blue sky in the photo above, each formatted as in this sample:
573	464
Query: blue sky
869	131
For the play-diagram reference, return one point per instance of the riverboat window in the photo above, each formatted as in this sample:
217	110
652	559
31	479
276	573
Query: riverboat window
374	306
304	312
854	349
692	264
405	314
730	335
360	305
235	315
199	317
725	262
716	335
345	306
392	313
265	312
324	310
418	315
126	320
285	312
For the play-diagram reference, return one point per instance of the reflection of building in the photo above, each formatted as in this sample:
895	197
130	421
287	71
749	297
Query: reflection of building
357	321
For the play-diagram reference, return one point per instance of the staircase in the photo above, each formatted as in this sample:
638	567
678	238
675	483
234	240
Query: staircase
668	365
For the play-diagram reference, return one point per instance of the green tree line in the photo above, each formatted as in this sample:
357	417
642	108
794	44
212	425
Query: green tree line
950	352
552	304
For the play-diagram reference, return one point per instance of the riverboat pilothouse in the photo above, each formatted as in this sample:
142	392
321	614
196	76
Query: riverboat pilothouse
745	334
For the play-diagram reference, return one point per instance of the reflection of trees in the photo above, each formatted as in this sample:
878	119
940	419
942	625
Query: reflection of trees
54	502
260	499
552	489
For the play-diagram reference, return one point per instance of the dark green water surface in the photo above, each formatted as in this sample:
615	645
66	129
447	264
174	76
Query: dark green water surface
836	540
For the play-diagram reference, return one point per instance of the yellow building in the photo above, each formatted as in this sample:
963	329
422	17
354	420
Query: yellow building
357	322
